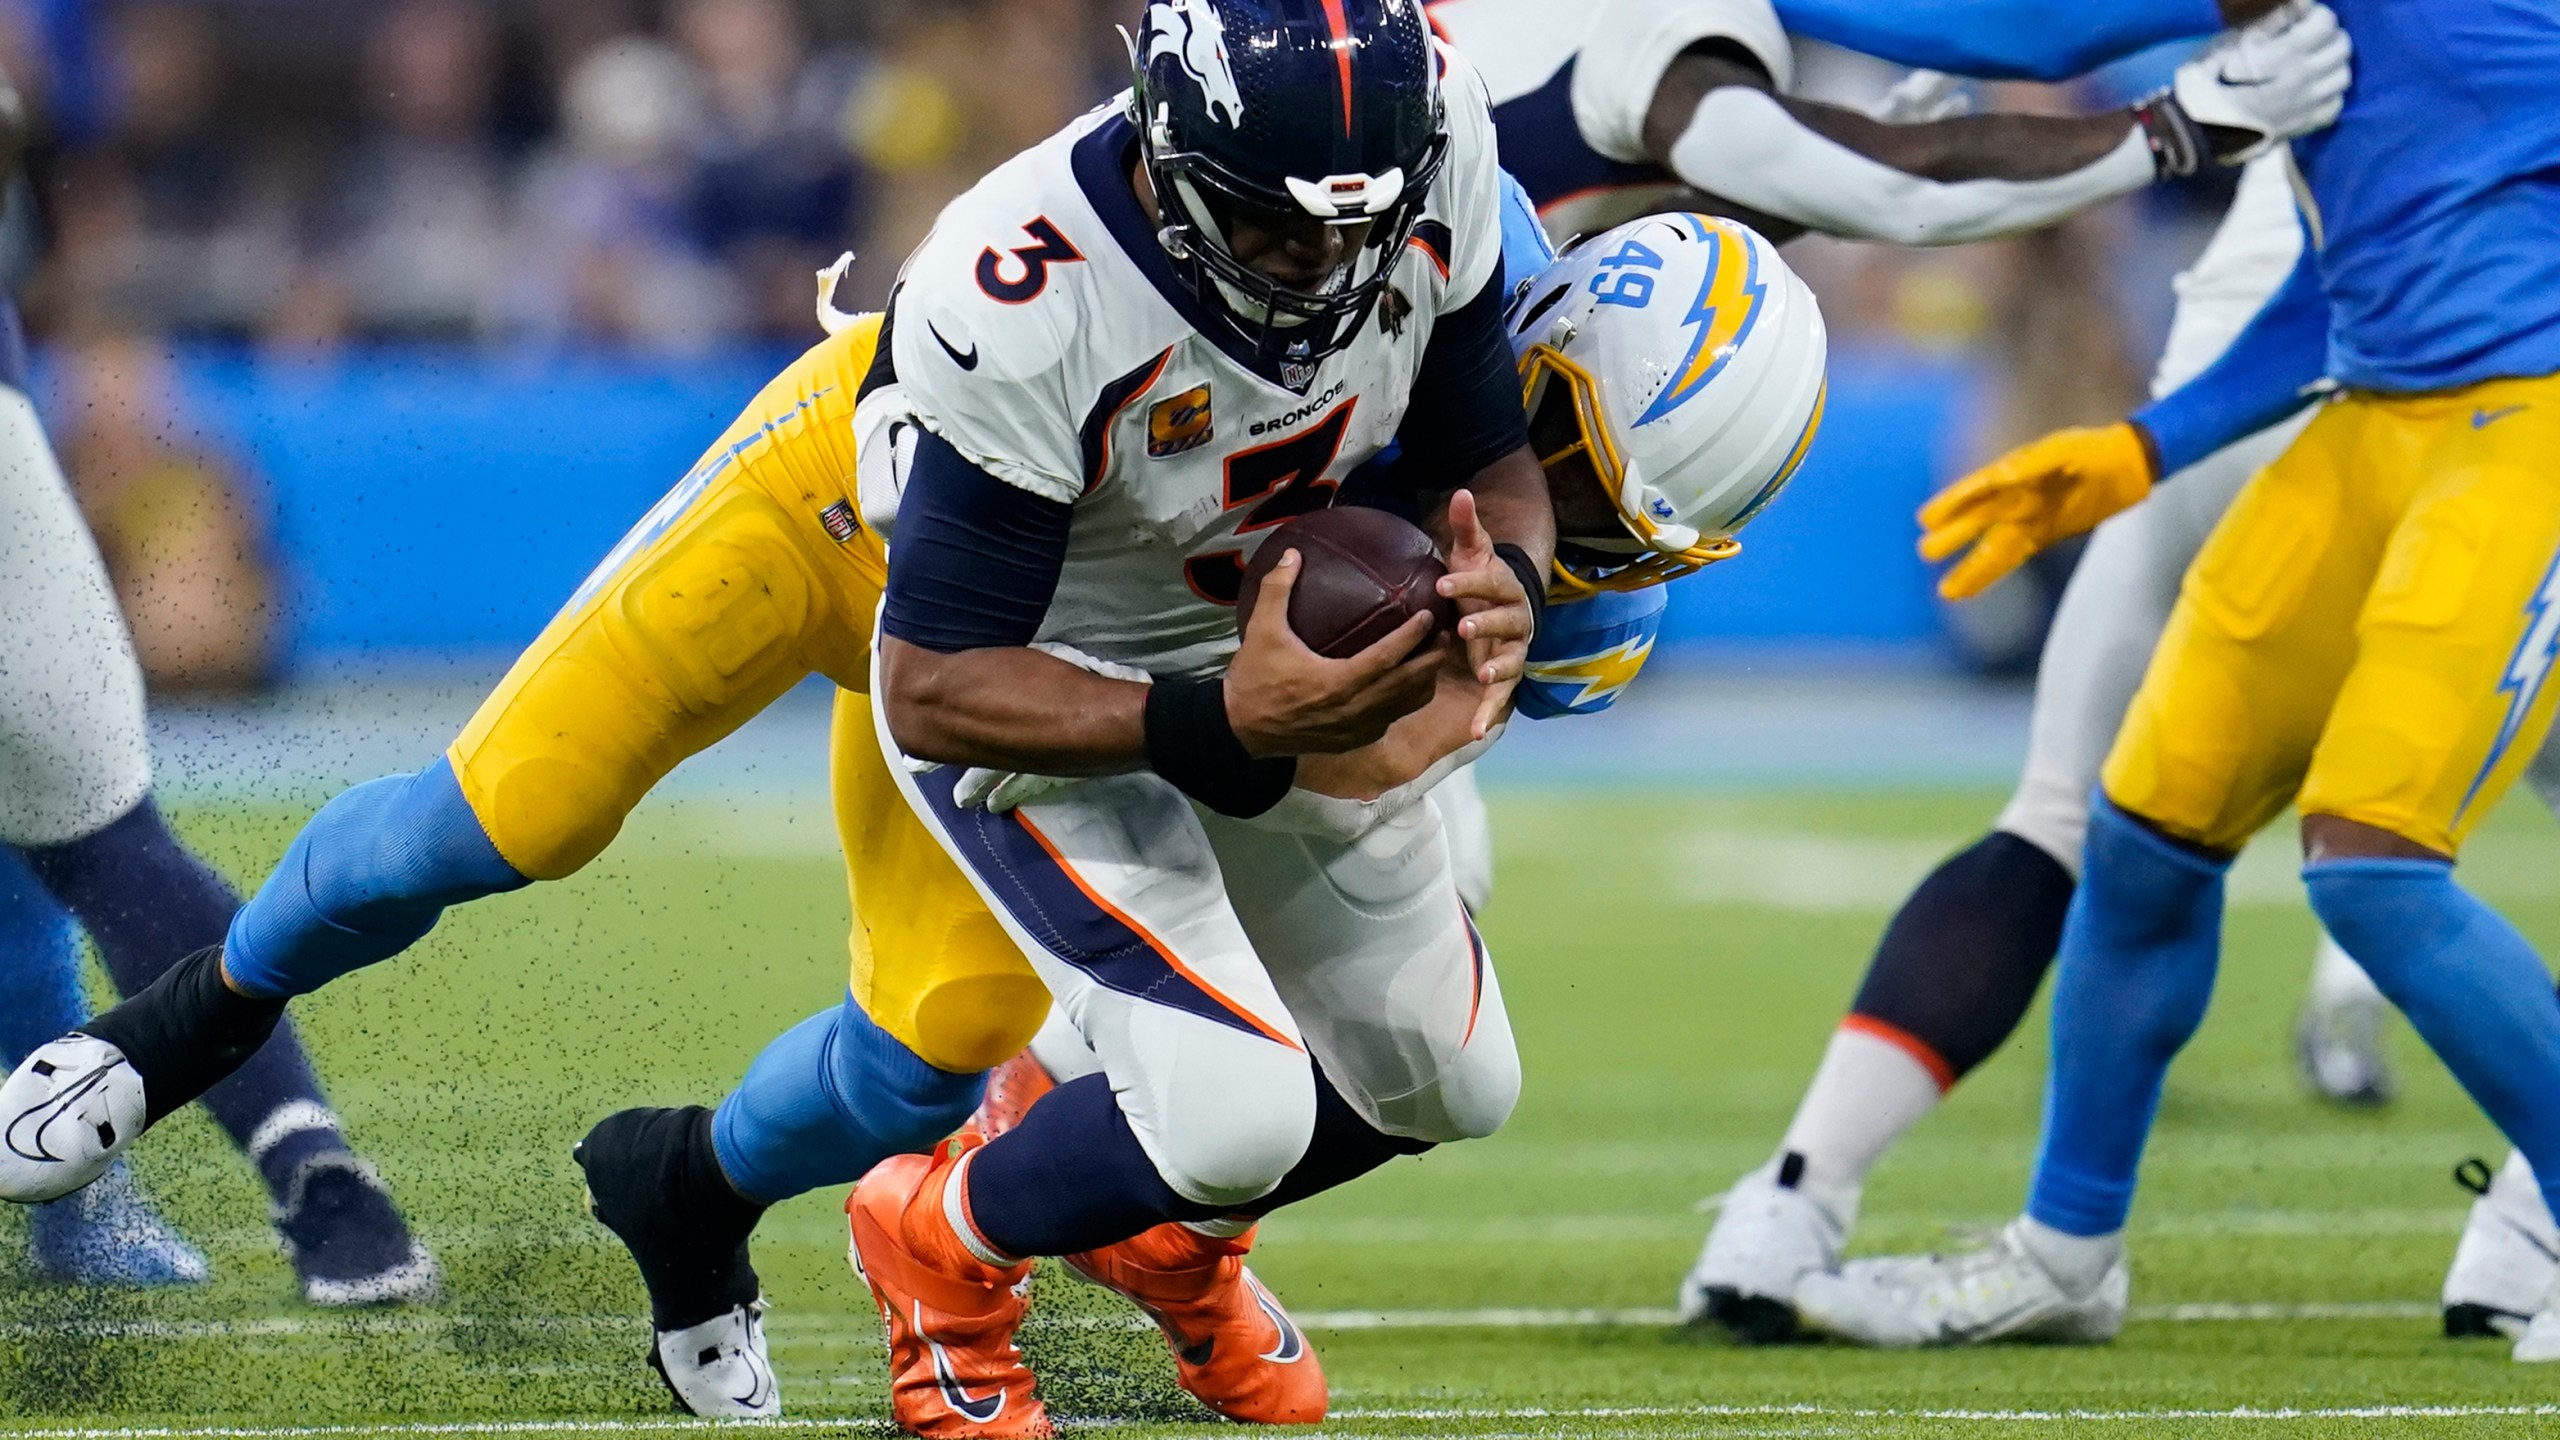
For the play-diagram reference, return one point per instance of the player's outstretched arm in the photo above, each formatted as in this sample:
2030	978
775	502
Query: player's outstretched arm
1716	121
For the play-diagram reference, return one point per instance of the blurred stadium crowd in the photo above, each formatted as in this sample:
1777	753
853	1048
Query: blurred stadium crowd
658	176
658	179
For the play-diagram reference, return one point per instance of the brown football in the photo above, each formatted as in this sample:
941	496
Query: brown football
1365	571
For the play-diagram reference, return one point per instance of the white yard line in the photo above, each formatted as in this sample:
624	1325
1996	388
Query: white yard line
2248	1413
802	1327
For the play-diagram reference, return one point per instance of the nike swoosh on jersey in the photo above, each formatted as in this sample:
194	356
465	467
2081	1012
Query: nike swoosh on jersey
2483	419
965	362
45	1114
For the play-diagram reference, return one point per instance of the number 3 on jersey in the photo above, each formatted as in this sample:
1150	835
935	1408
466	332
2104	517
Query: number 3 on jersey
1030	264
1281	481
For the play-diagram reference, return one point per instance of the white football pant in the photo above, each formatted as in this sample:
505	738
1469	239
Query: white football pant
73	752
1206	961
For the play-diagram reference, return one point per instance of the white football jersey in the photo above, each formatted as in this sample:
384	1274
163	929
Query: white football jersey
1041	329
1570	84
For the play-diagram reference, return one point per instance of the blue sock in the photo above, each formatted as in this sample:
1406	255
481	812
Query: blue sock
39	964
832	1097
2136	971
148	904
366	879
2468	982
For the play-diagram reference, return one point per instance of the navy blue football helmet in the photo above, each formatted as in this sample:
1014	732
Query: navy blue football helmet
1274	113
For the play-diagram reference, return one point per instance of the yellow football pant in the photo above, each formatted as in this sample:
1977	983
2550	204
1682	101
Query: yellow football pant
751	575
2367	632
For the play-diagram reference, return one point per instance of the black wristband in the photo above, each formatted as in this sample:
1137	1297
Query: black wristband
1191	745
1532	580
2179	146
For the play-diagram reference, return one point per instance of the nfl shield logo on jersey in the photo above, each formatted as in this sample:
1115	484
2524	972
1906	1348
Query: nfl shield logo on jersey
1179	424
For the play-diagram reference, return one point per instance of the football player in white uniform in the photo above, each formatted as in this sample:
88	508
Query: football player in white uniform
1292	232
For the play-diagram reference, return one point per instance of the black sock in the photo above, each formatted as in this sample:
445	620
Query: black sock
185	1031
148	904
657	1183
1072	1177
1961	961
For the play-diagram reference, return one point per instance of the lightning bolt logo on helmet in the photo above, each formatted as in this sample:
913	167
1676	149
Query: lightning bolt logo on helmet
1190	32
1726	307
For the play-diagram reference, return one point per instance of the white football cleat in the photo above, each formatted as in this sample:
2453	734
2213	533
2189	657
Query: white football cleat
66	1113
720	1369
2508	1255
1767	1237
2001	1292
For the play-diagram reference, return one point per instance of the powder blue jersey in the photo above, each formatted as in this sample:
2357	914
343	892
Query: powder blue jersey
2434	202
2432	212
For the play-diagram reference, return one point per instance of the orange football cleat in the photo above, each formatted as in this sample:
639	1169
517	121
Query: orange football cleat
1233	1345
1012	1089
953	1369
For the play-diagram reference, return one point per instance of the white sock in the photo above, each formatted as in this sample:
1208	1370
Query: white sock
1867	1091
2337	980
2076	1262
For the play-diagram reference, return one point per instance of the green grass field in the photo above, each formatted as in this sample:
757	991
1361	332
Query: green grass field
1672	967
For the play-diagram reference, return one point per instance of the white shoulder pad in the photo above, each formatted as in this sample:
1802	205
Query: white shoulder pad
1468	194
1632	42
982	326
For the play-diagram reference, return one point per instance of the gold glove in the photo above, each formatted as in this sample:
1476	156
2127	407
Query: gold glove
2042	492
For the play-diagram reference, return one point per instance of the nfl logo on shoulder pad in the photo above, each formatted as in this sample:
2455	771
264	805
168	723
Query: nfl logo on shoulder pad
1179	424
839	522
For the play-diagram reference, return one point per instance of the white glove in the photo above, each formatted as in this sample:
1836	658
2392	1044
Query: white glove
2283	75
1923	96
1333	817
999	791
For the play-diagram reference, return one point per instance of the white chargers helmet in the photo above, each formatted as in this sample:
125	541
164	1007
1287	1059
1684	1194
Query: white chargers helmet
1682	362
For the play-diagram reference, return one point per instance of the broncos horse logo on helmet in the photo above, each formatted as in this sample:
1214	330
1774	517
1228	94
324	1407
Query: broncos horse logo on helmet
1189	32
1280	114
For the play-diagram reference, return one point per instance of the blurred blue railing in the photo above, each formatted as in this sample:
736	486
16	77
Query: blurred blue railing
429	503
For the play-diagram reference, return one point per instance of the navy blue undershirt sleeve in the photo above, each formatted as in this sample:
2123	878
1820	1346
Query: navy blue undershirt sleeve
975	560
1465	412
2265	375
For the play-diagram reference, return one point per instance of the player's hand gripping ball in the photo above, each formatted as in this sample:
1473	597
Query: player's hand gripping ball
1363	573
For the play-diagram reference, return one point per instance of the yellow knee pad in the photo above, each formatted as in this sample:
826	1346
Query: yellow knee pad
930	963
706	626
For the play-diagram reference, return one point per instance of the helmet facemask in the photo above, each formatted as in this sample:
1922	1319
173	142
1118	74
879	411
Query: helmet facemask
1569	433
1200	208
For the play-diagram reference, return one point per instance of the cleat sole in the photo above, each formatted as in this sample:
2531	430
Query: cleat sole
1752	1319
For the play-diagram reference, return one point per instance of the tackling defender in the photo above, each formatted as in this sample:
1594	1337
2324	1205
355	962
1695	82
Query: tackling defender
2365	630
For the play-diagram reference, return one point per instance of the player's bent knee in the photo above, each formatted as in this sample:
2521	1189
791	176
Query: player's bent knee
976	1022
1227	1133
1472	1097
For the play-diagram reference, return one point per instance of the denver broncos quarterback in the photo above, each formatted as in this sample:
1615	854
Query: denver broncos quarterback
758	568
